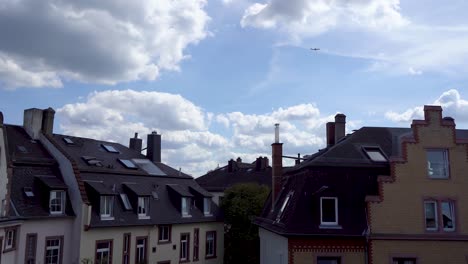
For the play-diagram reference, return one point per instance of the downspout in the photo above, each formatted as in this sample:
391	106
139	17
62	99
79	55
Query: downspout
367	233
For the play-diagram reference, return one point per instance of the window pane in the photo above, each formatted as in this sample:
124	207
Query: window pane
448	216
437	164
404	261
431	215
328	210
328	260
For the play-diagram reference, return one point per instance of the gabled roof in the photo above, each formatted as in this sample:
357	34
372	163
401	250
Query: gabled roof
33	167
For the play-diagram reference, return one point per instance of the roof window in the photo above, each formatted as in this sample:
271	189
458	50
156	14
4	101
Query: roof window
148	166
375	154
68	140
285	203
110	148
128	164
92	161
28	192
22	149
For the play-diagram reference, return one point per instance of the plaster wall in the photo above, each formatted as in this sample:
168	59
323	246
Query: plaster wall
273	248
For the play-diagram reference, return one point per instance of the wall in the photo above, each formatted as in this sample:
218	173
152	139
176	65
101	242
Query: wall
273	248
163	251
216	196
345	257
3	169
399	215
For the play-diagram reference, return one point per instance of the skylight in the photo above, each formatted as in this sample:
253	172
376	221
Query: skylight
128	164
109	148
125	201
155	195
28	191
375	154
148	166
68	140
285	203
92	161
22	149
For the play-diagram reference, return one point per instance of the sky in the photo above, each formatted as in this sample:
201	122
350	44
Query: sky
214	76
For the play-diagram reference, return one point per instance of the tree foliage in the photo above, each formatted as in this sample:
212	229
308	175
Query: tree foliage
241	204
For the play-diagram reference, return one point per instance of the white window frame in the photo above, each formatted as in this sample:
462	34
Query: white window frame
165	233
184	254
141	250
107	207
61	196
143	207
445	162
436	213
10	238
101	252
335	223
185	207
210	243
51	248
207	206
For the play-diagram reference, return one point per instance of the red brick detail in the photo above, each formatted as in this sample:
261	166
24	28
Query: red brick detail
324	245
76	171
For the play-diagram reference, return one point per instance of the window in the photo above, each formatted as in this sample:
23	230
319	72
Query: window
57	202
53	251
141	249
185	207
375	154
207	206
437	164
143	208
103	252
107	207
31	244
109	148
435	210
22	149
404	260
128	164
28	192
68	140
92	161
126	249
149	167
164	234
210	246
285	203
125	201
328	260
328	211
184	247
430	211
10	238
196	247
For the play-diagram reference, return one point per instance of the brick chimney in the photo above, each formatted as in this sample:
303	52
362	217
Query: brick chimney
277	166
136	143
232	165
340	127
153	151
48	121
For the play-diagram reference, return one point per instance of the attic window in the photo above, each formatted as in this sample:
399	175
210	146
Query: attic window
109	148
285	203
22	149
128	164
28	191
375	154
125	201
68	141
155	195
148	166
92	161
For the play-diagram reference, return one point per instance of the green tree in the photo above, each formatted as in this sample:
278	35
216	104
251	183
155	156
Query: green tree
241	204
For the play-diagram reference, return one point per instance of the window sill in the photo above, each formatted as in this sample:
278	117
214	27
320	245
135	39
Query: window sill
322	226
162	242
208	215
184	261
144	217
211	257
9	249
186	216
107	218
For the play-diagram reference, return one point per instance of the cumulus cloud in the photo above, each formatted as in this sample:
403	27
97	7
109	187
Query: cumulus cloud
451	102
187	137
105	41
308	18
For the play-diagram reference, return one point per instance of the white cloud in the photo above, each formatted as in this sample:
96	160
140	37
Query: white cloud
104	42
187	139
451	102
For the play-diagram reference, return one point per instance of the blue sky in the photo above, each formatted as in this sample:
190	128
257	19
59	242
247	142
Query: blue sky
214	76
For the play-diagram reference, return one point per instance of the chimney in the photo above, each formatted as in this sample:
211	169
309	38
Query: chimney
231	165
32	122
48	121
239	160
330	134
136	143
266	162
340	127
1	118
153	150
277	166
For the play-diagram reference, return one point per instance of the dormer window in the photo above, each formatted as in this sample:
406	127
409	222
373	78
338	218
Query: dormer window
107	207
57	202
186	207
328	211
143	207
375	154
207	206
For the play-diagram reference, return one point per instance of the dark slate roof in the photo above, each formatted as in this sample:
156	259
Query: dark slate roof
220	179
113	178
35	169
343	171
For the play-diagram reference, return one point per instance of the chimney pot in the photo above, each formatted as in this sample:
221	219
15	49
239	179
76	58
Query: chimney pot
277	133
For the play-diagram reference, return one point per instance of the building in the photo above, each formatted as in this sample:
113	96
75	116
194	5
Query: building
127	207
235	172
36	214
378	195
